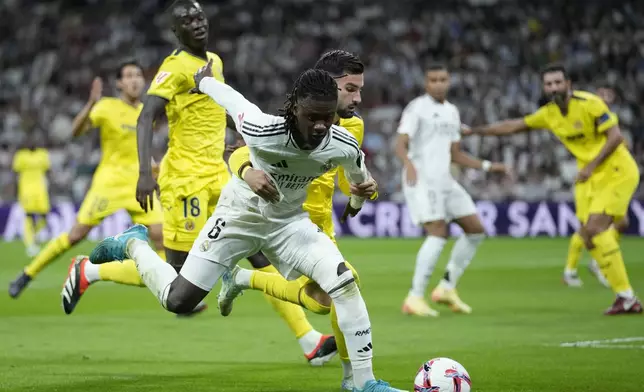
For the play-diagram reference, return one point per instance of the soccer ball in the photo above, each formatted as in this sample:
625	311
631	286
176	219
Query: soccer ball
442	375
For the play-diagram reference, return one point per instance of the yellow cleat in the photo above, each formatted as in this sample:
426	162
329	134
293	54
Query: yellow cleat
450	297
416	306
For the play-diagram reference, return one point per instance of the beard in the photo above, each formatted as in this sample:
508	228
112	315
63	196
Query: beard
558	97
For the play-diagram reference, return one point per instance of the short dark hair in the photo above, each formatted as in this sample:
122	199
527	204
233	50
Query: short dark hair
181	3
436	67
555	67
340	63
312	83
127	63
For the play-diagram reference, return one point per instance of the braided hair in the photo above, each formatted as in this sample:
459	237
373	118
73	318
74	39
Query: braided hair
312	83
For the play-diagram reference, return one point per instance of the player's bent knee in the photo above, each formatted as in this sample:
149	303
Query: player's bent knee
184	296
259	261
436	228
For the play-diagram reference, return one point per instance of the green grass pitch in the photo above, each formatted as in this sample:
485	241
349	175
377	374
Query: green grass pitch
120	339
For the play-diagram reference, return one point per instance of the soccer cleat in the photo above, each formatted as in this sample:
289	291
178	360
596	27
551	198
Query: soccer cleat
194	312
450	297
593	267
115	248
347	385
377	386
624	306
75	284
416	306
571	279
229	291
19	284
323	352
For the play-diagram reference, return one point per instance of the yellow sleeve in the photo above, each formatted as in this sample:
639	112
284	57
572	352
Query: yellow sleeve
98	113
18	162
238	158
358	132
537	120
604	118
169	80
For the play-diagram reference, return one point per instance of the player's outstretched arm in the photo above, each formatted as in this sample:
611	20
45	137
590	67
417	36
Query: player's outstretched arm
464	159
502	128
82	122
153	108
231	100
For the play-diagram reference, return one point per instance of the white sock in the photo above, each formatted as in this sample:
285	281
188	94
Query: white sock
309	341
628	294
347	370
155	273
242	278
426	260
91	272
570	272
462	254
353	320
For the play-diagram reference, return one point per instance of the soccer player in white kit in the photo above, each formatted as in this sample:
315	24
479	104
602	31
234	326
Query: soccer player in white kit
428	142
292	150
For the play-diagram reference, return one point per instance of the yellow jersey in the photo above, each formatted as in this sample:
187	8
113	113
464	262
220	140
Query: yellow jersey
31	166
582	129
197	124
116	121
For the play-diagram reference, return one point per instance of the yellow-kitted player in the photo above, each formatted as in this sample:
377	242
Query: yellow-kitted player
31	165
576	245
114	182
348	71
588	129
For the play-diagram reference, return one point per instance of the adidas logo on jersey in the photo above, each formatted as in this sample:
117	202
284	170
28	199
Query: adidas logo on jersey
281	164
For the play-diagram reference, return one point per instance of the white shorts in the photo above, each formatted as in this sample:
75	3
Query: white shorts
427	203
237	229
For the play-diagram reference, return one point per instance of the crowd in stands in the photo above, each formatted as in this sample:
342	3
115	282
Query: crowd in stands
51	49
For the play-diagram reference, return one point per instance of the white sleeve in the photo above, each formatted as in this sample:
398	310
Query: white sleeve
456	135
409	121
234	103
355	169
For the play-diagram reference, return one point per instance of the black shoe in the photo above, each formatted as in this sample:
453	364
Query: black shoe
326	349
198	310
17	286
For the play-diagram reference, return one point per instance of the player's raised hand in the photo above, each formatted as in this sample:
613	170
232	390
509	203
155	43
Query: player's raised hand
410	174
96	91
203	72
261	184
367	189
146	188
501	168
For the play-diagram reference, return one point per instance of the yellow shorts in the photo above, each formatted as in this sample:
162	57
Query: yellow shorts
611	193
35	203
101	202
582	201
186	210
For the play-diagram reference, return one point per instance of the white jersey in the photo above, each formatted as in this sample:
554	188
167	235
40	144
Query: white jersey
432	128
273	150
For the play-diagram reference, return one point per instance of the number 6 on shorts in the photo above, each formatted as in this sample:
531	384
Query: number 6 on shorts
213	234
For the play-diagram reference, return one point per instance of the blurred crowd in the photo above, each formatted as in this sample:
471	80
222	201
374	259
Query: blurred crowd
51	49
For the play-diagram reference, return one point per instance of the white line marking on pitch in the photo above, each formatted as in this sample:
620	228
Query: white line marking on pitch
608	343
